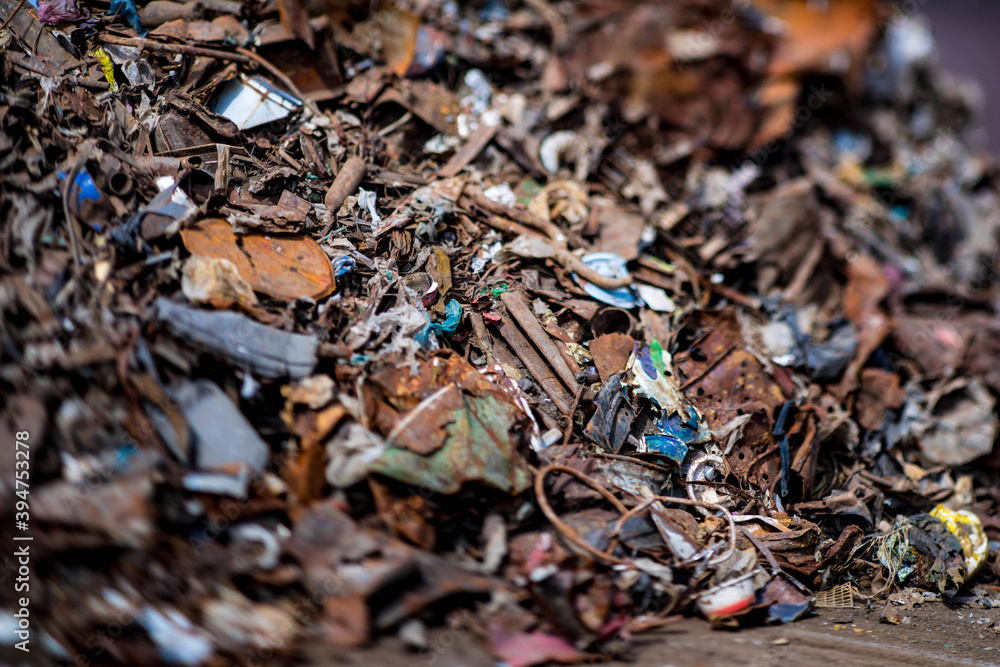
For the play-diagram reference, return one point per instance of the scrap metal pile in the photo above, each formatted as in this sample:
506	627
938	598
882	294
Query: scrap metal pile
329	321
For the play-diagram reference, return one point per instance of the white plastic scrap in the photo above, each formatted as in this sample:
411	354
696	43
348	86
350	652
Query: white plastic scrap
491	117
485	256
398	325
663	390
441	143
744	176
255	534
138	71
656	298
176	638
501	194
692	45
178	196
351	451
465	124
118	601
778	341
249	388
551	437
654	569
145	114
478	100
367	200
553	147
183	208
49	85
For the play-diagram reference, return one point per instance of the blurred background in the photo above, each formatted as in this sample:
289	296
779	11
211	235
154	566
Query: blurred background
968	38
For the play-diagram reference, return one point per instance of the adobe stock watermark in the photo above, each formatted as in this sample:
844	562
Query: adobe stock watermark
22	547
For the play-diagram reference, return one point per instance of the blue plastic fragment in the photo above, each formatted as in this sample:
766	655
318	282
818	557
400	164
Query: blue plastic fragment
494	10
342	265
646	362
668	446
786	612
85	188
452	316
846	141
609	265
684	429
124	454
676	432
128	11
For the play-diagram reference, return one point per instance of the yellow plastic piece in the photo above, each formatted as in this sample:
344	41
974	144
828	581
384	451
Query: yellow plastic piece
838	597
106	65
967	527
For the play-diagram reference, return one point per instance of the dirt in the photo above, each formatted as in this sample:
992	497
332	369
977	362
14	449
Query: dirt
935	635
